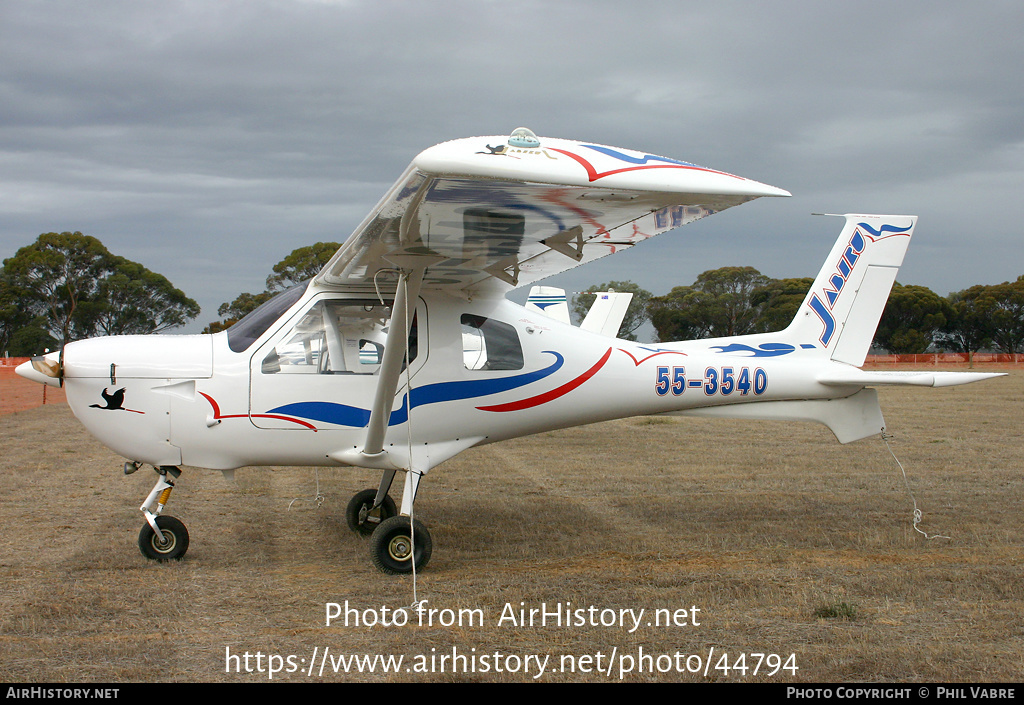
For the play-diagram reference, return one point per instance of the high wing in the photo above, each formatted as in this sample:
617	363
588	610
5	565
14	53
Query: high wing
493	213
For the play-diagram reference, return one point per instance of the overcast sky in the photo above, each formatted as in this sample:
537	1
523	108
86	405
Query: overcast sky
208	139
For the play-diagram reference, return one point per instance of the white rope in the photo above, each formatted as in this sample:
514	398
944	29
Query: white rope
917	512
376	285
408	435
319	498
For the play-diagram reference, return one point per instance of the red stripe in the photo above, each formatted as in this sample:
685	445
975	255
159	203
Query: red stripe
553	394
663	352
216	408
594	175
217	415
282	418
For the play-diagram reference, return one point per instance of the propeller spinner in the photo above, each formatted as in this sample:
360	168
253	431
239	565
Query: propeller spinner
44	369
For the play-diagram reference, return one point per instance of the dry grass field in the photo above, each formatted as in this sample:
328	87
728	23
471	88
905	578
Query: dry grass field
787	542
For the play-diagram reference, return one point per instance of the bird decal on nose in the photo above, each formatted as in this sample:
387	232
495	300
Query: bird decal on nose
114	402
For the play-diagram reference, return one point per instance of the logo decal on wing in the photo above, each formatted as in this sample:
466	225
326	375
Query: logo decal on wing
642	163
504	150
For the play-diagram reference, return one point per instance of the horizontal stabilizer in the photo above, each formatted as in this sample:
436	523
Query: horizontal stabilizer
850	418
854	376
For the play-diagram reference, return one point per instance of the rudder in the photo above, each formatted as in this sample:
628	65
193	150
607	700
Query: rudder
844	305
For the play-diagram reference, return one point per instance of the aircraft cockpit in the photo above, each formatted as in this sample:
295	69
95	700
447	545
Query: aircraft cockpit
335	336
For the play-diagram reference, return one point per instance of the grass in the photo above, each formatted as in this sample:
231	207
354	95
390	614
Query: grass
785	541
836	610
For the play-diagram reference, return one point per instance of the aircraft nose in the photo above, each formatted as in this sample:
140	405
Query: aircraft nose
29	371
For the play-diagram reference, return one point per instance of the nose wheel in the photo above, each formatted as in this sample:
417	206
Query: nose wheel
170	544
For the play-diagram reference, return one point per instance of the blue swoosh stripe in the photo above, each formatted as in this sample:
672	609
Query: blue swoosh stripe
634	160
328	412
883	229
344	415
763	350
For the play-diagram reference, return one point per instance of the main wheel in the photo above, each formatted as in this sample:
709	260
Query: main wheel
172	543
358	515
391	547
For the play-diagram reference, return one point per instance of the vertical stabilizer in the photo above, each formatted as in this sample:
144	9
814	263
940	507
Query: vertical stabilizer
845	303
549	300
605	316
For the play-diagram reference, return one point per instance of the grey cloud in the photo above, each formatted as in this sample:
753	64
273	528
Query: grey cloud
207	140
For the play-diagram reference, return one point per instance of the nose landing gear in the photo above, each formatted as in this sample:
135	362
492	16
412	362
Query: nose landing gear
170	544
162	538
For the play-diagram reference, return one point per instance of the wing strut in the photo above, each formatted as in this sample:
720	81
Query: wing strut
395	349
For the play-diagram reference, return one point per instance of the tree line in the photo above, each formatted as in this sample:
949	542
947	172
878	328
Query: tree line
68	286
740	300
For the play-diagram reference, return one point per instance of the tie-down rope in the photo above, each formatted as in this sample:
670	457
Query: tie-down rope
917	512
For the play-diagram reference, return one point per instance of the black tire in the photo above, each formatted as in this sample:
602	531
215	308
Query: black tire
390	546
175	534
361	504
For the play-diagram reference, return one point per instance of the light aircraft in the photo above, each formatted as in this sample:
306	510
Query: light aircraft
605	314
367	365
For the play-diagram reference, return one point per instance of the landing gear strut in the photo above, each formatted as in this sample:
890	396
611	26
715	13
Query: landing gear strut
163	538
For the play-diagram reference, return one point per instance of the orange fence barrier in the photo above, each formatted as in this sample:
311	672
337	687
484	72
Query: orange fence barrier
18	393
945	359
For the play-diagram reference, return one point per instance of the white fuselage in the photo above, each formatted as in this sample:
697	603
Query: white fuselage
192	400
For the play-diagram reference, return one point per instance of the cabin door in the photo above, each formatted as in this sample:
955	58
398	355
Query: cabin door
321	369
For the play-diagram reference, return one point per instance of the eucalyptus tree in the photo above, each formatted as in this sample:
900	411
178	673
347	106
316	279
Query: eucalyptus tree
76	289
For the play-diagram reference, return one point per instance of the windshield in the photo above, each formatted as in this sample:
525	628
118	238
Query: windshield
246	331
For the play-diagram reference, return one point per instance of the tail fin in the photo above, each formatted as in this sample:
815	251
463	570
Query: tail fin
549	300
845	303
605	316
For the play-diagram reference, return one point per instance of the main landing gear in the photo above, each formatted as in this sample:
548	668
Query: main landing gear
163	538
392	545
395	542
363	517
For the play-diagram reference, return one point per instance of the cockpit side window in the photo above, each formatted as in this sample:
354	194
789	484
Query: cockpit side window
488	344
338	337
246	331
